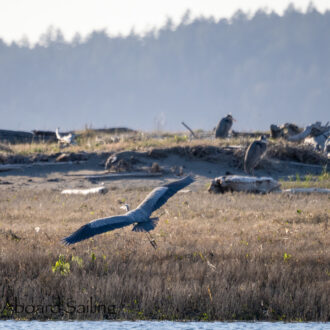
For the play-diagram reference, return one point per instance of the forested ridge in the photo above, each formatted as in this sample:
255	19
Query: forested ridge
263	69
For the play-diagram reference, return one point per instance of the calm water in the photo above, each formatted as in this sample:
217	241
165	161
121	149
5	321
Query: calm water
95	325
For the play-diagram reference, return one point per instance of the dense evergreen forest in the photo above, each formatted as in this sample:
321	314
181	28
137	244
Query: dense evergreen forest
263	69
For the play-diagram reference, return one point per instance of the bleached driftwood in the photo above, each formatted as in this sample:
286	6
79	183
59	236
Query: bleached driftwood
307	190
122	175
313	130
318	142
290	129
243	183
327	146
301	136
96	190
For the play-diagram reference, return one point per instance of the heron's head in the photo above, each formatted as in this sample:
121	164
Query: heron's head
230	117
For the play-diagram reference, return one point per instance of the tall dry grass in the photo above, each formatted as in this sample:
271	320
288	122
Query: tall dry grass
92	141
233	256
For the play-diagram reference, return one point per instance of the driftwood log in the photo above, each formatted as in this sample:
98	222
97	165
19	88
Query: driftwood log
301	136
96	190
318	142
307	190
230	183
313	130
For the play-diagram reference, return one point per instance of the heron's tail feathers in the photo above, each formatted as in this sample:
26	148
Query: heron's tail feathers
247	169
146	226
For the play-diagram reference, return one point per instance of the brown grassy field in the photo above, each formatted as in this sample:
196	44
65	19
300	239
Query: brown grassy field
219	257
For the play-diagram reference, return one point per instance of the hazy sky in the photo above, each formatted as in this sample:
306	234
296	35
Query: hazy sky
31	18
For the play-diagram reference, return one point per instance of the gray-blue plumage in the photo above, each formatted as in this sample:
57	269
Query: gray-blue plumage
254	154
224	126
140	216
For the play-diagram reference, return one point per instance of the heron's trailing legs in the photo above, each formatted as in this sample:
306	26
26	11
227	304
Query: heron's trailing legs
151	240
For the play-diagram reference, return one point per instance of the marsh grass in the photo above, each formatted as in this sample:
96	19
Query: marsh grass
308	181
219	257
89	140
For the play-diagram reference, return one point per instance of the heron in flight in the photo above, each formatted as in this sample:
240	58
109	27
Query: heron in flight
140	217
254	154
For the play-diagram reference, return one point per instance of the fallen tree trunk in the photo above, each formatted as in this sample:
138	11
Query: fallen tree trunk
96	190
230	183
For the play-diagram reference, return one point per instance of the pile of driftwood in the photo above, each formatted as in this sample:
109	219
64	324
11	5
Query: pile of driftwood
314	134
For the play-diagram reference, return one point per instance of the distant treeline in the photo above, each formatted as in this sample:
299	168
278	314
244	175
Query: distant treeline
265	69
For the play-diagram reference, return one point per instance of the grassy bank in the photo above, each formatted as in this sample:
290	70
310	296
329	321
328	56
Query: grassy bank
233	257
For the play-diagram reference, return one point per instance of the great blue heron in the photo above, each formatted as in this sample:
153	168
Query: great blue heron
64	139
224	126
254	153
140	217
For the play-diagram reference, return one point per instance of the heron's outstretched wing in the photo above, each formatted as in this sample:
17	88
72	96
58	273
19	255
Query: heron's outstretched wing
160	195
96	227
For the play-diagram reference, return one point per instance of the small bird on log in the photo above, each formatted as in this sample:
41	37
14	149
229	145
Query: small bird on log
224	126
254	154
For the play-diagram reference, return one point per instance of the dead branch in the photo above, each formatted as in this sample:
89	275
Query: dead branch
189	129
